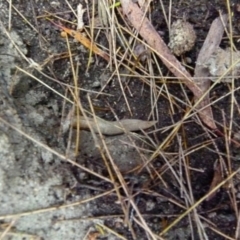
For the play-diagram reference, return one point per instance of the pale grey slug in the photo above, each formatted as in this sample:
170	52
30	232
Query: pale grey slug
113	128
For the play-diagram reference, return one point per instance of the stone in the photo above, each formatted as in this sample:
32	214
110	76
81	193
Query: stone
182	37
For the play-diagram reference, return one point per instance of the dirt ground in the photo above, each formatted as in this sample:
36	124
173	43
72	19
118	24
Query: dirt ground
49	192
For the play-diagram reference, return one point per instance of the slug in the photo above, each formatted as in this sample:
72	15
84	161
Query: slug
113	128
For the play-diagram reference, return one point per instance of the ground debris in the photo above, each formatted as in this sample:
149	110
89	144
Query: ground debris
151	36
182	37
220	65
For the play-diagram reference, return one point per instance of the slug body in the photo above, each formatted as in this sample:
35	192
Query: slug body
113	128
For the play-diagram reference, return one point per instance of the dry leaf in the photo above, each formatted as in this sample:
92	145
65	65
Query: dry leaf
217	178
201	73
84	41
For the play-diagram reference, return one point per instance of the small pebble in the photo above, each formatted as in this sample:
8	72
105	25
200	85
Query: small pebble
188	60
212	215
150	205
182	37
96	84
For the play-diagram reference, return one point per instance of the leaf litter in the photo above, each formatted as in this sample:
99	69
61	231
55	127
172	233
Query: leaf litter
151	36
206	63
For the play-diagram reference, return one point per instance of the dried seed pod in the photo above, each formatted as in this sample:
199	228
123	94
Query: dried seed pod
182	37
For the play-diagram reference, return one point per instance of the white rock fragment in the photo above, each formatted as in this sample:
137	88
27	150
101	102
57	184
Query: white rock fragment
219	64
182	37
80	12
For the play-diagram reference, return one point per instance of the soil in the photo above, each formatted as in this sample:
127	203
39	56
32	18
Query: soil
43	195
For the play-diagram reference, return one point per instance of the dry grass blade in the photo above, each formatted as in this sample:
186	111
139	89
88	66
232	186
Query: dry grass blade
7	230
111	231
147	31
199	202
55	208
